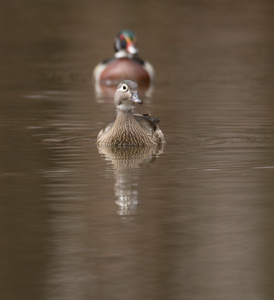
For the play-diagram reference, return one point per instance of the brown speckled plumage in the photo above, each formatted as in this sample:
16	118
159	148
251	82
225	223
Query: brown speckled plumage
127	128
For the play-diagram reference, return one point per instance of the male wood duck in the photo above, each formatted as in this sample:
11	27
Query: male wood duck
125	63
128	128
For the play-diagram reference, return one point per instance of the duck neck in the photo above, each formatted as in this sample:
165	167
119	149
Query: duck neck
126	121
123	54
125	114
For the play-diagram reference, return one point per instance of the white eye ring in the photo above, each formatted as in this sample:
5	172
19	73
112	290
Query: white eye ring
124	87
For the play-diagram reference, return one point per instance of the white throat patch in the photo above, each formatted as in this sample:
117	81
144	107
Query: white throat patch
126	105
123	53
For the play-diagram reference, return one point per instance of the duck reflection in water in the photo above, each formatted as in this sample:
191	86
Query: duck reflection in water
128	141
127	163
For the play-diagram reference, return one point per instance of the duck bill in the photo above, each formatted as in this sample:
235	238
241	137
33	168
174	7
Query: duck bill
135	98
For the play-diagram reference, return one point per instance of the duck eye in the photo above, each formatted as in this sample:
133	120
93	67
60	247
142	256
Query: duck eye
124	87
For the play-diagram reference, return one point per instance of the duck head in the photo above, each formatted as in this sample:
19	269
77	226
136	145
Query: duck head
125	44
126	95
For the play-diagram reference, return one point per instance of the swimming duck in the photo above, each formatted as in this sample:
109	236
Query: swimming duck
128	128
124	64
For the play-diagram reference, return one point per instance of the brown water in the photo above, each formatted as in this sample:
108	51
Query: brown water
191	221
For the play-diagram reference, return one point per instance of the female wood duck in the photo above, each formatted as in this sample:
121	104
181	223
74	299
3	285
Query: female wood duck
124	64
128	128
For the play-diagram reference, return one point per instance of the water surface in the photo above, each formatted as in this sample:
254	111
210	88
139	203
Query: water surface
190	221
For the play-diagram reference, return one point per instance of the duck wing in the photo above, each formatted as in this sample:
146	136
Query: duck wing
147	121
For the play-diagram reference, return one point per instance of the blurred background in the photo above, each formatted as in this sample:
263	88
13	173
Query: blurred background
191	221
